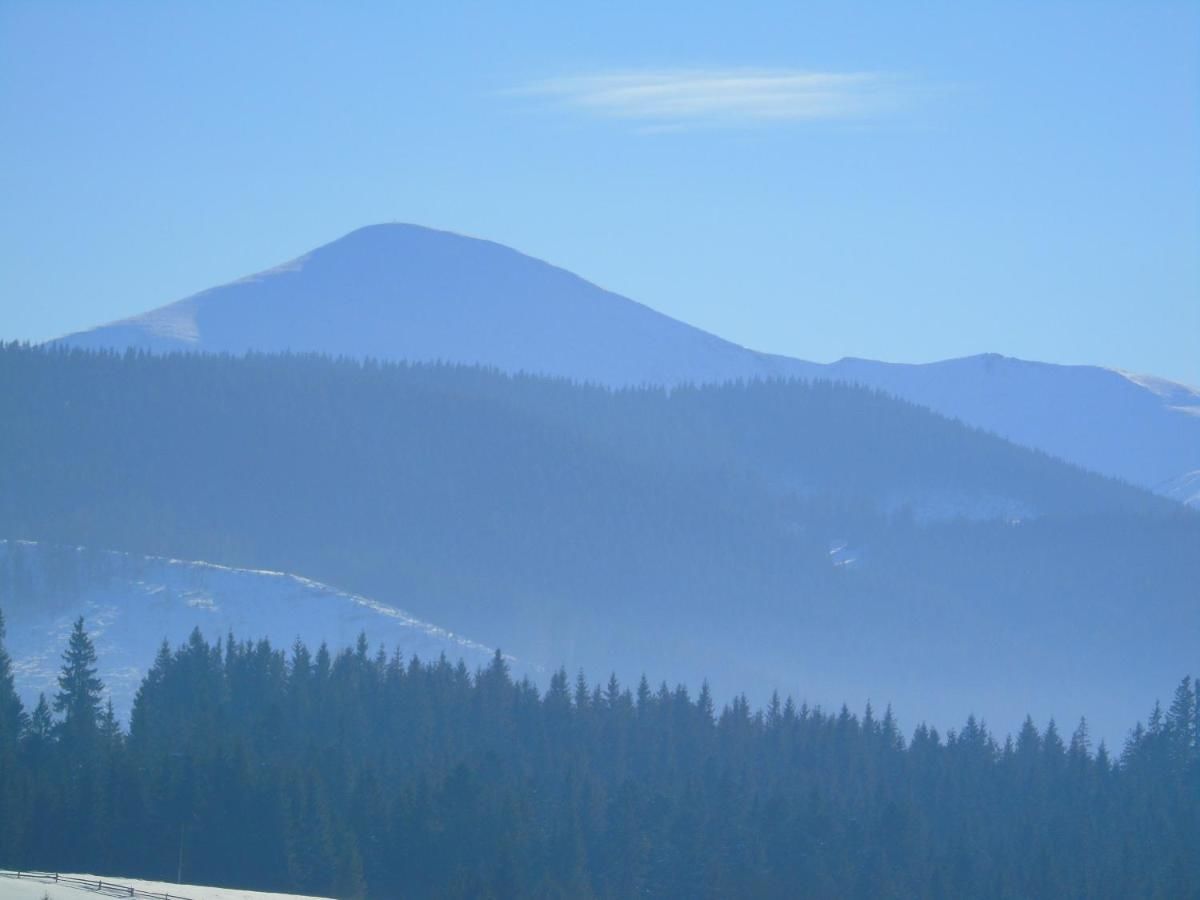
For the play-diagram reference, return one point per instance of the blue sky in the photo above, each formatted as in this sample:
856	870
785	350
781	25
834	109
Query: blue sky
898	181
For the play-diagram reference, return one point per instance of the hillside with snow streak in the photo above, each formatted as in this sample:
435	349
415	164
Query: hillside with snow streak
131	603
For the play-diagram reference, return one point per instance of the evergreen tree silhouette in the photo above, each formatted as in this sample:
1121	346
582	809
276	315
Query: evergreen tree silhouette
12	713
79	690
354	774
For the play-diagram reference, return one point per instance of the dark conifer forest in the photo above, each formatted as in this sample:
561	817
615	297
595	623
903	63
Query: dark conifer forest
684	534
363	774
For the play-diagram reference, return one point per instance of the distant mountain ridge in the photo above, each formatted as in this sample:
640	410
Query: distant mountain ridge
403	292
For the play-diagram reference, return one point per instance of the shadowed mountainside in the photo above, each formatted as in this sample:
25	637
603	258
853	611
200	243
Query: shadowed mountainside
828	540
402	292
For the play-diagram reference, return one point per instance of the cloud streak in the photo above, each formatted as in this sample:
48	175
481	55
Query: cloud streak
672	98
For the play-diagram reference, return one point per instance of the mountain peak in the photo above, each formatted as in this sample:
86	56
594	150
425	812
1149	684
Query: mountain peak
396	244
398	291
404	292
389	237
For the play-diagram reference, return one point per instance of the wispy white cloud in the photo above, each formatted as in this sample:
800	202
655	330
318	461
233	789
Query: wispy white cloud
688	97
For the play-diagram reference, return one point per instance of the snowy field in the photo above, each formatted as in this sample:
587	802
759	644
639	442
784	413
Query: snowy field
131	603
39	889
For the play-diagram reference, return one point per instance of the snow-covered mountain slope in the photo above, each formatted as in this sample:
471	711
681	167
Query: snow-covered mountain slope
1145	431
1185	488
76	887
132	603
402	292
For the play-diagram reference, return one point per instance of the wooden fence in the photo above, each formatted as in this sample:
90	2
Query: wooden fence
95	885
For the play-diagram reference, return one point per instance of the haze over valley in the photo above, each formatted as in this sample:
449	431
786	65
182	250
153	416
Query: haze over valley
591	452
509	452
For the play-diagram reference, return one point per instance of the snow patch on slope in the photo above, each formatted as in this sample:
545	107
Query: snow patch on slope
1185	488
131	603
1182	397
176	322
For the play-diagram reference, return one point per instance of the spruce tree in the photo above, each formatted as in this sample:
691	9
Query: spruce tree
78	698
1081	744
12	715
1183	731
110	729
40	731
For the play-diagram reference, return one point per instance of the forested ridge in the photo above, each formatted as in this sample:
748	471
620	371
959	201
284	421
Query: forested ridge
684	533
363	774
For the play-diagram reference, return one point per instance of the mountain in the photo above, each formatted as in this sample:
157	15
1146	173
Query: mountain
1141	429
132	602
402	292
827	540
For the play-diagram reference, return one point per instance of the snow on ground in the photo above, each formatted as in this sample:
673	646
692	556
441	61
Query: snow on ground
131	603
1185	488
36	889
1182	397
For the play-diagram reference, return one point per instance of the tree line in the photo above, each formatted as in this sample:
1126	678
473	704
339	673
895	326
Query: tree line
361	773
579	525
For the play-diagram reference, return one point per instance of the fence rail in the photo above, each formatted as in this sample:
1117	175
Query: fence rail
96	885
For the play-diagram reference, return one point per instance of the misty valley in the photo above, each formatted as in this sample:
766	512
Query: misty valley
331	626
